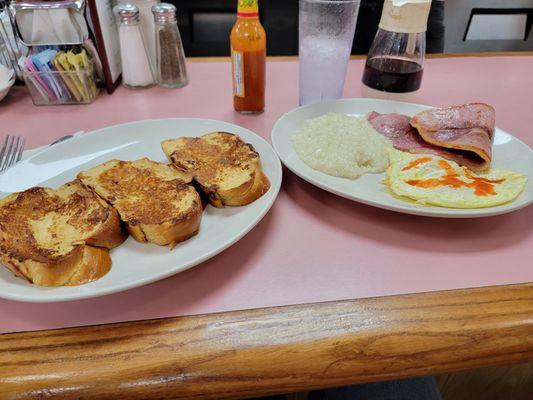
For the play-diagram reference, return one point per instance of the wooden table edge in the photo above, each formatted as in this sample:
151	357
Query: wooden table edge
363	56
273	350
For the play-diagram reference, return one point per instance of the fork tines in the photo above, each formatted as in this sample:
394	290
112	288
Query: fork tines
11	151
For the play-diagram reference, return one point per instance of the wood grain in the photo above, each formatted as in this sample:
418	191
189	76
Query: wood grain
272	350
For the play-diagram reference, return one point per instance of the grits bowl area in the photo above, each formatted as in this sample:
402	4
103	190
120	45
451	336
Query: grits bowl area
450	161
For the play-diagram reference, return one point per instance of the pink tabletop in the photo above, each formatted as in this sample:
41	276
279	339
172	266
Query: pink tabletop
312	246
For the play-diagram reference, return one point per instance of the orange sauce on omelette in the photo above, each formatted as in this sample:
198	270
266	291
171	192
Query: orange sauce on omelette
416	163
481	186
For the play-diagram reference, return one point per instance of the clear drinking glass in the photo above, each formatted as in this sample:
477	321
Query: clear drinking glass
326	29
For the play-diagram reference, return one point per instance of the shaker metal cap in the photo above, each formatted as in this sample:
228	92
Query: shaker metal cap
164	12
126	12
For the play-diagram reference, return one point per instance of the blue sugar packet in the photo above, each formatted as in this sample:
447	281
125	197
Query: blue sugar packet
43	62
39	60
42	58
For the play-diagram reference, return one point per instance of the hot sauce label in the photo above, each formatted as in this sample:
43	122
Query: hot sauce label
237	66
247	8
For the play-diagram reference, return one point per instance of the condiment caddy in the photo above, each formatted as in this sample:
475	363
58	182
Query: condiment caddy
58	69
56	77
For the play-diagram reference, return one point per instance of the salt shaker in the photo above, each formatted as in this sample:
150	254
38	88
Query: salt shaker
136	68
147	25
394	65
171	71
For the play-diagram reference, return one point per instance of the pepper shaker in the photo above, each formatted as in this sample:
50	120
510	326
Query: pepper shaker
171	71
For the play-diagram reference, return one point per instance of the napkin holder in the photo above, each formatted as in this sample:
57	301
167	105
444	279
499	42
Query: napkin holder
56	22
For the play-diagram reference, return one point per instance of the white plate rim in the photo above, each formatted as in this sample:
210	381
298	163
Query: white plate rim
434	212
275	186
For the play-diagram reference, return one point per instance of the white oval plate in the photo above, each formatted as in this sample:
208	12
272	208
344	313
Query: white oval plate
508	153
136	264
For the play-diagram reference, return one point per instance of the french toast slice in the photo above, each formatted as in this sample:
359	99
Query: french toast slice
155	200
227	169
58	237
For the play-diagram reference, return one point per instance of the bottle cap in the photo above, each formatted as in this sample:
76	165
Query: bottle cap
405	16
126	13
164	12
247	9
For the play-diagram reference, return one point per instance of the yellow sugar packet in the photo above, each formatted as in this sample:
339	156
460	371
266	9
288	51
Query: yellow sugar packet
67	66
82	64
67	79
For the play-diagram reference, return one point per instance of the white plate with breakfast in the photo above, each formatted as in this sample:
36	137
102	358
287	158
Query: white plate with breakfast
449	162
130	204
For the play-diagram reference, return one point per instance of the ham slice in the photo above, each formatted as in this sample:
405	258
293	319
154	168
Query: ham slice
406	138
462	134
468	128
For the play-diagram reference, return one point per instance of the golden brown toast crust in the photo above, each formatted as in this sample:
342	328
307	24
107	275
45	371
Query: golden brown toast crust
227	169
153	199
83	265
46	235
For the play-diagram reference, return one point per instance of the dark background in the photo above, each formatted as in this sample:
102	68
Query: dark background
205	26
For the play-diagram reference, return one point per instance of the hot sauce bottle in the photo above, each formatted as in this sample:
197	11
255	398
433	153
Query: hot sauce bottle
248	52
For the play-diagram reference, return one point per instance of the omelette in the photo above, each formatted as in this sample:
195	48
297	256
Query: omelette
430	179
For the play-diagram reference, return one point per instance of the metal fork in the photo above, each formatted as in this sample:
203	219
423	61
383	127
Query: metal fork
11	152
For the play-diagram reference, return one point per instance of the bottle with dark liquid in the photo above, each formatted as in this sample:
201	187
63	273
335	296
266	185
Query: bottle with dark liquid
394	65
